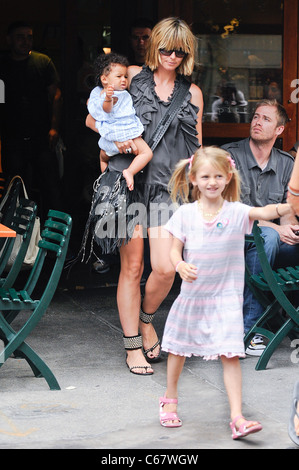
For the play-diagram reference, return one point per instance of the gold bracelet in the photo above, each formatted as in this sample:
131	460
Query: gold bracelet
108	101
276	207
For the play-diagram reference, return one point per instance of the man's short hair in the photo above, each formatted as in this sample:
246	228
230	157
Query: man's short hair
17	24
283	118
142	23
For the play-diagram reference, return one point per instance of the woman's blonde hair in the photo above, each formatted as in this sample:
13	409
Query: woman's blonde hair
179	184
171	34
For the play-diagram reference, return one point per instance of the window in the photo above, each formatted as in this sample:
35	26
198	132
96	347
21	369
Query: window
239	57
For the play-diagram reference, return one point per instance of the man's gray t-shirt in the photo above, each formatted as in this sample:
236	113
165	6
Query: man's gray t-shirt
261	187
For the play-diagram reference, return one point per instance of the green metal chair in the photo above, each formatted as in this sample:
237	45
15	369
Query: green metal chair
54	244
272	288
22	223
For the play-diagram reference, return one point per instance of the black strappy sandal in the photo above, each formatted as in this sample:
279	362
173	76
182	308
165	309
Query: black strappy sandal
148	318
131	343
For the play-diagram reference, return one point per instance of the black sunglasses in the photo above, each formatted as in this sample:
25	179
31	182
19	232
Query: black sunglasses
179	54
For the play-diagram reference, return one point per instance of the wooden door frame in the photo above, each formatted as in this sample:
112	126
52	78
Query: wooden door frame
290	71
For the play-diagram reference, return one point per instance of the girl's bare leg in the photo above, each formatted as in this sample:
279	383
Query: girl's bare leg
232	375
128	296
175	366
158	284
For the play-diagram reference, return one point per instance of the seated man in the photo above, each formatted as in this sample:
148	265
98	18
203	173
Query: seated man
265	173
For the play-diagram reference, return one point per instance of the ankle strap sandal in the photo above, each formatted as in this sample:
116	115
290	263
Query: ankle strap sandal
148	318
132	343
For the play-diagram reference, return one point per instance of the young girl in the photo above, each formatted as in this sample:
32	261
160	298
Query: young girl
111	106
208	253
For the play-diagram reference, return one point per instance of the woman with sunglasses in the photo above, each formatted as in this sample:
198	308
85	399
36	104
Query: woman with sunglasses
169	60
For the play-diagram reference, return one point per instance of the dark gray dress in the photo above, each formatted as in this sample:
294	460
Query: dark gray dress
180	141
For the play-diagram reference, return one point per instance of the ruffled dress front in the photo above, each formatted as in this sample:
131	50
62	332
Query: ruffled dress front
115	211
206	319
180	141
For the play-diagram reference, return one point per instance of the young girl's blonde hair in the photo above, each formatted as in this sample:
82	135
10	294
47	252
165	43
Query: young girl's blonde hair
171	34
179	184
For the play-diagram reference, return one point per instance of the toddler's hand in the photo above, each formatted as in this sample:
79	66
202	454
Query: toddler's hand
109	91
187	271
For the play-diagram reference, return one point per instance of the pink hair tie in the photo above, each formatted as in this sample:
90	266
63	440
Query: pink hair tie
190	160
232	162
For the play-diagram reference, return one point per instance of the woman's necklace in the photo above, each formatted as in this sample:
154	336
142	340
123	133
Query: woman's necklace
208	215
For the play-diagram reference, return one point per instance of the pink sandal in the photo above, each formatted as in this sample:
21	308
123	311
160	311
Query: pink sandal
243	430
166	418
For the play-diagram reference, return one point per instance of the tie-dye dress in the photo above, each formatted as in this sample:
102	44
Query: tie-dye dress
206	319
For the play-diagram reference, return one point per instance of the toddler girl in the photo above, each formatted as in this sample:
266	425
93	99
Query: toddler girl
112	115
111	105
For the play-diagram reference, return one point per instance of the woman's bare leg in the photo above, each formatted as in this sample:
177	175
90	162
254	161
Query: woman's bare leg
128	297
158	284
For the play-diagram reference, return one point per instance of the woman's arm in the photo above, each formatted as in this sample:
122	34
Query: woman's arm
91	123
197	100
104	160
132	71
293	194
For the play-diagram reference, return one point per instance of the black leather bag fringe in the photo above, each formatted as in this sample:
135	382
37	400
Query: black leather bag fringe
109	224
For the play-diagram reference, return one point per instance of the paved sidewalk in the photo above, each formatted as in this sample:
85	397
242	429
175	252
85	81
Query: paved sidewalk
102	406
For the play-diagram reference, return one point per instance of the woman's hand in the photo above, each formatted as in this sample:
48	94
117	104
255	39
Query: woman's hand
127	147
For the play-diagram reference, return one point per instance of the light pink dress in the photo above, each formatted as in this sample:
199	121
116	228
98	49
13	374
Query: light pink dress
206	319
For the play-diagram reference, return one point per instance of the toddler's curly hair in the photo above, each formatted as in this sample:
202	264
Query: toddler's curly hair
104	63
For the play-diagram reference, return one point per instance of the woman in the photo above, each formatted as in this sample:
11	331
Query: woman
293	199
169	59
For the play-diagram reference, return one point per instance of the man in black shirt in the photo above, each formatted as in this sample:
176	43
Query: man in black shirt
140	32
30	117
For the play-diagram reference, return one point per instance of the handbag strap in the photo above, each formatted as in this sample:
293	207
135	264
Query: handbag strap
169	115
5	197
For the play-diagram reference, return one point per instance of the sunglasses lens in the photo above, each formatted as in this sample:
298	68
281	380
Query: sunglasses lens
179	54
165	52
